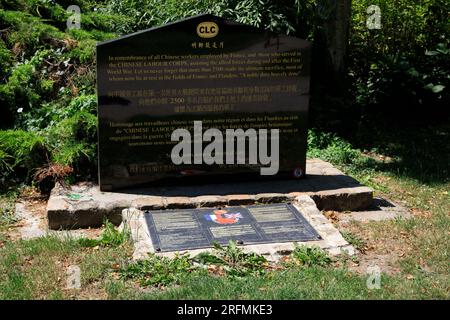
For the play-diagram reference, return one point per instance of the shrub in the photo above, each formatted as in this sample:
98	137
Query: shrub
50	114
330	147
21	153
28	33
84	52
404	67
47	72
6	59
287	16
26	88
74	143
26	148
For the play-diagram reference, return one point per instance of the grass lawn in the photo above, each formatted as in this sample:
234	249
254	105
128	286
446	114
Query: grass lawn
408	167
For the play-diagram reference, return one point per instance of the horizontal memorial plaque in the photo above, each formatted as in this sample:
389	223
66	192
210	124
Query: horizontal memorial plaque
175	230
197	74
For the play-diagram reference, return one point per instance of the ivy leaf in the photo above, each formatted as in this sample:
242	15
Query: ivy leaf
435	88
431	53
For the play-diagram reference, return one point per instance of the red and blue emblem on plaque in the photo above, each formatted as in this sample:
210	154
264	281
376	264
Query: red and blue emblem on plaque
223	217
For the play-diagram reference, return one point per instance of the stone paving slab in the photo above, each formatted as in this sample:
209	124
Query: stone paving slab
84	205
379	210
31	227
332	240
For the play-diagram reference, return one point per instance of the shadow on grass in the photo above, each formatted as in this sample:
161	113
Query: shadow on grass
420	153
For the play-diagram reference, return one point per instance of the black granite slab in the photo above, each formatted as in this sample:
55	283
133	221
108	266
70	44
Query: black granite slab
205	68
175	230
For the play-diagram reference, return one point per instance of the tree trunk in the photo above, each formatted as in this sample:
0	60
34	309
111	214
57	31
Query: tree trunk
331	43
338	27
331	107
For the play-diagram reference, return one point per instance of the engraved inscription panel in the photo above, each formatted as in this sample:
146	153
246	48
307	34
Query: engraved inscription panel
173	230
225	74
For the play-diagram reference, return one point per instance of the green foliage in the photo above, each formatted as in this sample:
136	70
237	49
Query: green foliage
21	152
100	23
354	240
76	124
82	103
110	237
27	87
159	271
28	33
48	82
330	147
287	16
234	261
6	59
73	141
150	13
17	91
421	154
113	237
311	256
47	72
5	162
84	52
73	133
437	66
162	271
405	65
7	209
82	34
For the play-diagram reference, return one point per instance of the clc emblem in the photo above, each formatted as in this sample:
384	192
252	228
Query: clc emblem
223	217
207	29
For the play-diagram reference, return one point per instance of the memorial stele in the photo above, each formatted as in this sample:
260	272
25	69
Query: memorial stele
196	74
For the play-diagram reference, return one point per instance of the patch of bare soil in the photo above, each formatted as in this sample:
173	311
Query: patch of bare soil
378	157
92	291
378	244
35	206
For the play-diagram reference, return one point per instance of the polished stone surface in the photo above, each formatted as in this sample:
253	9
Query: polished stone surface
226	74
182	229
